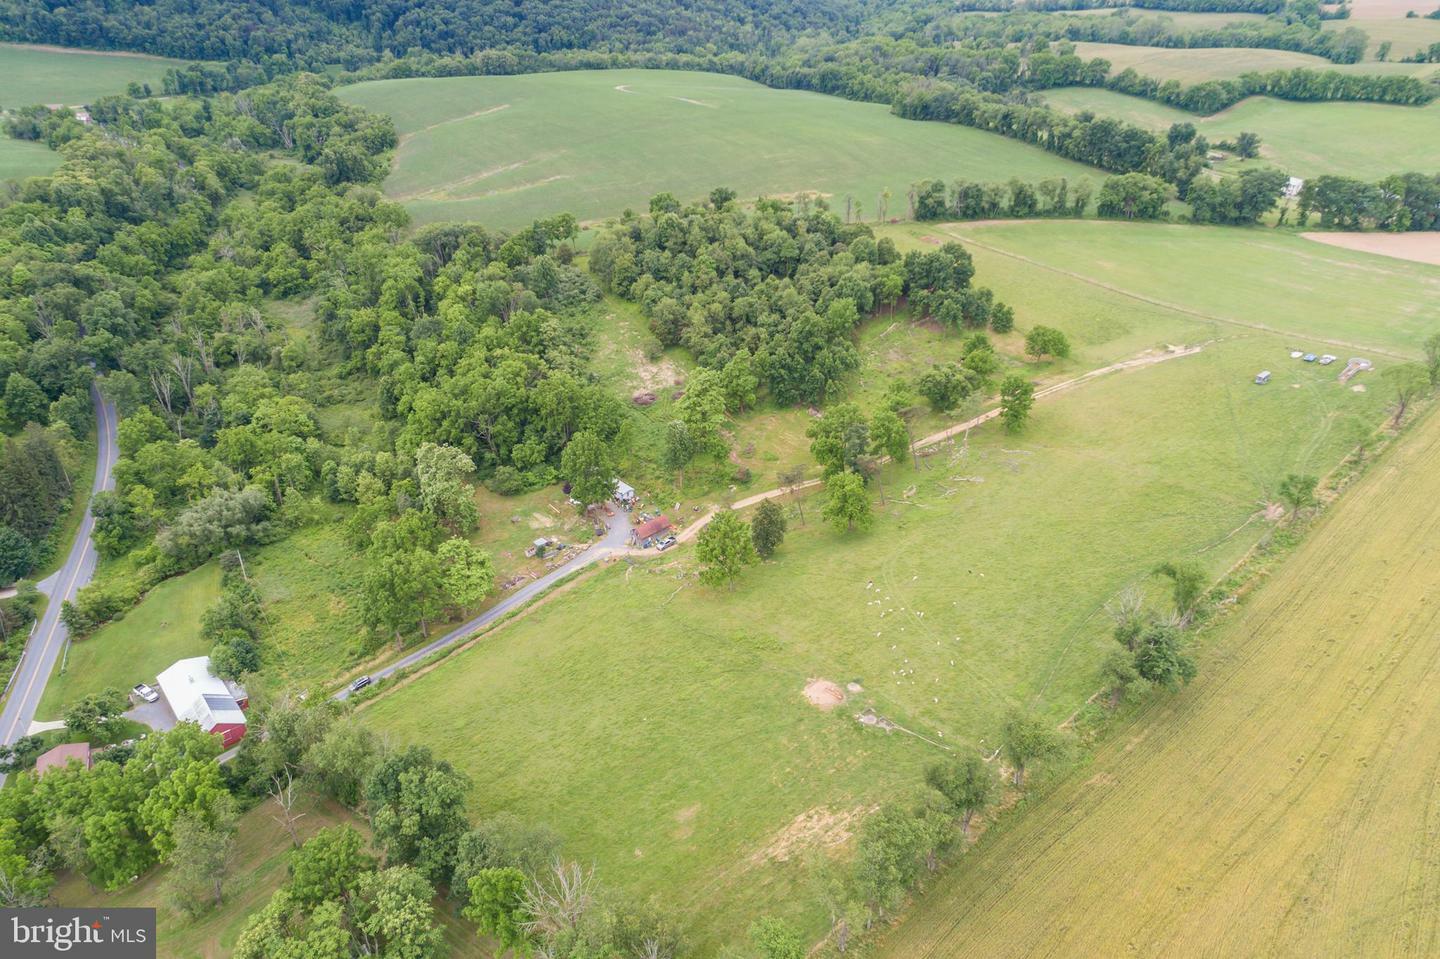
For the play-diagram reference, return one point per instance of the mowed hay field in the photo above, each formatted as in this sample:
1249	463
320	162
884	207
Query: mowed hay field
503	150
1367	140
1195	65
660	725
57	75
1283	805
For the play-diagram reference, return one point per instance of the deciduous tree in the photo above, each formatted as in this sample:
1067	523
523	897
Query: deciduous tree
847	505
767	528
725	548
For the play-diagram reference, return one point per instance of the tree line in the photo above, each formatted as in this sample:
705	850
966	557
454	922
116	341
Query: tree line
1300	84
1405	201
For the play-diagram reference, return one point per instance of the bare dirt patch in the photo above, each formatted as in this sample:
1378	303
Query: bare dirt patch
823	694
815	828
1273	511
1418	247
685	821
651	376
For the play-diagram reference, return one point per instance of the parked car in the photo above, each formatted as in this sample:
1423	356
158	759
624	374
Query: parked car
665	543
1262	377
360	684
1309	357
145	692
1326	360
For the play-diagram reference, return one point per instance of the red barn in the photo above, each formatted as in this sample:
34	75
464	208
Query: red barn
196	695
650	530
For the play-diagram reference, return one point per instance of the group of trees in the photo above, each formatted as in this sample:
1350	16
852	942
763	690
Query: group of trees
36	482
781	288
342	898
1406	201
1300	83
1053	197
135	806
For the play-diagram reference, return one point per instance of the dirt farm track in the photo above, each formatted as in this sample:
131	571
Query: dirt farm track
1285	804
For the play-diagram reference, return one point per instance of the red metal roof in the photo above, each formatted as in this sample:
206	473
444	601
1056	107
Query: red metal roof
650	527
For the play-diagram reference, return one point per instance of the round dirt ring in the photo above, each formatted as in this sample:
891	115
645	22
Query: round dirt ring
823	694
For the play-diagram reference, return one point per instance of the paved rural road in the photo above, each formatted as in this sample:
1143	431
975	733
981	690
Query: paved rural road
613	543
43	648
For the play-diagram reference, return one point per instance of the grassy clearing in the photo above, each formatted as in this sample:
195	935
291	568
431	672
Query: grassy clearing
1368	140
1181	18
1279	806
71	77
261	855
504	149
1271	278
163	628
20	159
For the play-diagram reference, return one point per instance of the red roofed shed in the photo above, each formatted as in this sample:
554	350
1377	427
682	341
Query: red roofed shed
650	530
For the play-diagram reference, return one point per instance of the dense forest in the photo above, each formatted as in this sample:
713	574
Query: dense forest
313	33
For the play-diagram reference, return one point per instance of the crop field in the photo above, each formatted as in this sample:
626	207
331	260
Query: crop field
56	75
670	741
503	150
1368	140
163	628
1283	805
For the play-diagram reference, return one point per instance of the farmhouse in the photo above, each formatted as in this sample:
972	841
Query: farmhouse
649	531
60	757
196	695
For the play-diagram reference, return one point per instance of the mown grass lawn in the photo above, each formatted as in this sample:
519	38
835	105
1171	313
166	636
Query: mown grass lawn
163	628
504	150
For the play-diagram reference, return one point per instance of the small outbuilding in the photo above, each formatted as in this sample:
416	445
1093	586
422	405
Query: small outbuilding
624	494
61	756
649	531
1262	377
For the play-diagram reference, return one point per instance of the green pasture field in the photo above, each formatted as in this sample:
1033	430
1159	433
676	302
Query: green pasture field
1278	806
660	725
1312	294
1196	20
504	150
22	158
57	75
163	628
1222	63
1368	140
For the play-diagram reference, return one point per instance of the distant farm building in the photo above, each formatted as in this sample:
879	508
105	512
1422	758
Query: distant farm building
624	493
1293	186
61	756
649	531
196	695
